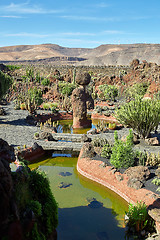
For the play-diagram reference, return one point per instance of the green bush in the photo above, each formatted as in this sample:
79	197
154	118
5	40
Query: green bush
36	207
156	181
143	115
45	82
99	142
106	151
138	218
35	95
66	88
138	89
122	154
12	67
110	92
5	83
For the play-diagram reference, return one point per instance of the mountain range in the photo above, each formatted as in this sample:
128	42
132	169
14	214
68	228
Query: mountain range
108	54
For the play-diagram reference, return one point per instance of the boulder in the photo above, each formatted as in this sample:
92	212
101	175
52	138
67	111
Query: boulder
137	176
87	151
46	135
152	141
83	78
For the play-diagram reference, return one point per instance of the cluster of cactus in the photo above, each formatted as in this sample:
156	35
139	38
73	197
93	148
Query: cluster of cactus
49	123
101	126
153	159
99	142
31	106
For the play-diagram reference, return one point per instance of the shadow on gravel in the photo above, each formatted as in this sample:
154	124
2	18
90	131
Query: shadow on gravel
20	122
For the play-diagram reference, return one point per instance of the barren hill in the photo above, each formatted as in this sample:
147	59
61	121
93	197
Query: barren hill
108	54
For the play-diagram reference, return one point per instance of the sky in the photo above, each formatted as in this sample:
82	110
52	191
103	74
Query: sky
84	24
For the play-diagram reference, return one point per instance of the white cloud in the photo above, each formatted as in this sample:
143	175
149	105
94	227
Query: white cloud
23	34
25	8
11	16
113	32
86	18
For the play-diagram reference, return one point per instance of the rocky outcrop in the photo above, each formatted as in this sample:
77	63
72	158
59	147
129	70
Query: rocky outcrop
32	153
79	99
137	176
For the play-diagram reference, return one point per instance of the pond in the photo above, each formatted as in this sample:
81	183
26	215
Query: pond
65	126
87	210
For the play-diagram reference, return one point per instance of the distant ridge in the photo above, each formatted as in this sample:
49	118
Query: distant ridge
108	54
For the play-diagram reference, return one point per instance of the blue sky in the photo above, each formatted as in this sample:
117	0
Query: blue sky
79	23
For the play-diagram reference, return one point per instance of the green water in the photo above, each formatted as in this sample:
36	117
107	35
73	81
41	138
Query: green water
77	220
65	126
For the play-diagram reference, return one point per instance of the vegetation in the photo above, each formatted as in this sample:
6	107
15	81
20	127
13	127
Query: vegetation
33	194
12	67
122	154
35	95
66	88
143	115
99	142
110	92
138	218
5	83
156	181
138	89
45	82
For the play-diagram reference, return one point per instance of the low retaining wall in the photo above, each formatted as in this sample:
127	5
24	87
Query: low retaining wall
92	170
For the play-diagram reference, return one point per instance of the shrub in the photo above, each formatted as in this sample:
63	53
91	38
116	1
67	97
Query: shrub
110	92
99	142
138	89
156	181
35	95
46	106
36	207
45	82
5	83
106	151
141	115
138	218
122	154
66	88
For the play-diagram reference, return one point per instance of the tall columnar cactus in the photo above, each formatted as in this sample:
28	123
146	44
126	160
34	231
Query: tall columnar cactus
74	76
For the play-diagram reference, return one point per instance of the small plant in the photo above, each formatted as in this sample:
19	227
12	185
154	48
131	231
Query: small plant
156	181
46	106
152	159
36	135
106	151
110	92
138	218
101	126
45	82
138	89
23	106
122	154
66	88
112	126
141	157
158	189
99	142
